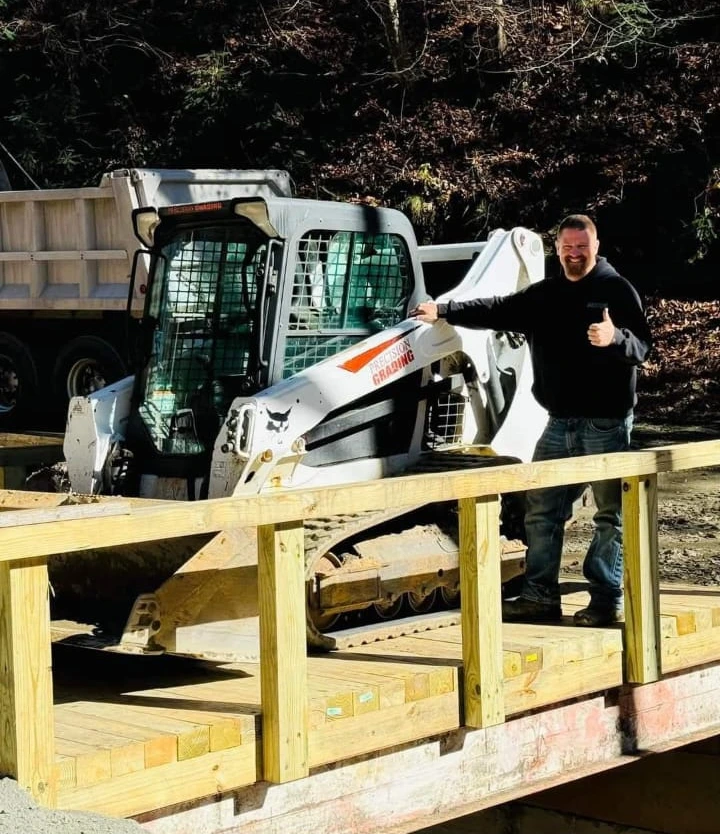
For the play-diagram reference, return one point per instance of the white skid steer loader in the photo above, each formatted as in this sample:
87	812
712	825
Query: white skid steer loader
276	353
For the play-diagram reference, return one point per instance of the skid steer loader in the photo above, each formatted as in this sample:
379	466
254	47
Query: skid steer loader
275	352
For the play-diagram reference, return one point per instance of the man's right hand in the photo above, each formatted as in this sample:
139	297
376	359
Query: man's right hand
427	311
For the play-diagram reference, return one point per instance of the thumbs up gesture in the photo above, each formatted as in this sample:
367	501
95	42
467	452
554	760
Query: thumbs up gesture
602	333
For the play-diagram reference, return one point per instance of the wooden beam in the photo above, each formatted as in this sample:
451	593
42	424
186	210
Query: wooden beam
20	444
642	597
157	787
480	611
27	746
429	782
12	518
174	519
389	727
283	654
18	499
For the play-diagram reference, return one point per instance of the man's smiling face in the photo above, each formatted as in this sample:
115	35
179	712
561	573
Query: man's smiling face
577	250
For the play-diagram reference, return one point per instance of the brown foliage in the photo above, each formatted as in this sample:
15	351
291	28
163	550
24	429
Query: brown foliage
680	382
602	106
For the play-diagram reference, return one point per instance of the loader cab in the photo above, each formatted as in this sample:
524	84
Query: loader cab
210	270
242	294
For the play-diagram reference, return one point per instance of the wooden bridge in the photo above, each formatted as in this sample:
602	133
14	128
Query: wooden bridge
453	714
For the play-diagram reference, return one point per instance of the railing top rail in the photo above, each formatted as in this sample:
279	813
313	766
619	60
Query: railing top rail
36	533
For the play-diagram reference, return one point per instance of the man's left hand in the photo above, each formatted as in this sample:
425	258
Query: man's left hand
602	333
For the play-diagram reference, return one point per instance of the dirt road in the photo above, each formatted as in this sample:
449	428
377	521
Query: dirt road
688	514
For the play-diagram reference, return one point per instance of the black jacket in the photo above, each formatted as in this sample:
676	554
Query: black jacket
572	377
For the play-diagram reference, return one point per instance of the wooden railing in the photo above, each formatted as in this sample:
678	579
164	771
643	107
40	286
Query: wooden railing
28	537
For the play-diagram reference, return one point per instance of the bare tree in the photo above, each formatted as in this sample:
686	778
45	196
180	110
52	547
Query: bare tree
502	43
389	13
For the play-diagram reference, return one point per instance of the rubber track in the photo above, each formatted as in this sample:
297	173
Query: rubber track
321	535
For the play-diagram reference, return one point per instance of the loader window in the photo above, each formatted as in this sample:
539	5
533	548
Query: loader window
347	285
202	303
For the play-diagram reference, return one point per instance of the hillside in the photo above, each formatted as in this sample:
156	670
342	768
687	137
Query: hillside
468	115
680	382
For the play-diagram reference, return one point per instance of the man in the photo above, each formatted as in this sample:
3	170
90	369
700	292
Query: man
587	333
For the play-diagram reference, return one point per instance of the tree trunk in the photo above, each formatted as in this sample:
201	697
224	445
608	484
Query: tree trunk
501	37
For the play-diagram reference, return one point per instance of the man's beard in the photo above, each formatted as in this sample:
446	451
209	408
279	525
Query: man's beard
575	268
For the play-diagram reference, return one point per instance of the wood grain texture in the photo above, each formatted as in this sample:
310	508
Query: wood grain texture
27	748
283	654
481	616
642	601
175	519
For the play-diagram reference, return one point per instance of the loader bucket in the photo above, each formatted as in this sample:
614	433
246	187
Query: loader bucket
195	595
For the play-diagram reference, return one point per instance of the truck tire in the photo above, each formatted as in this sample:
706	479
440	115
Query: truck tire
18	383
85	365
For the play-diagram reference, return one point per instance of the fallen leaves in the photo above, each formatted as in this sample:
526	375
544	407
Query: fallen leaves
680	381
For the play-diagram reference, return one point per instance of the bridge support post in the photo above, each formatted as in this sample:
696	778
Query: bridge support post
283	652
481	611
27	737
642	590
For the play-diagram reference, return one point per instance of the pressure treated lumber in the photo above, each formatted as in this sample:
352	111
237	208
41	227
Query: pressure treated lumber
13	518
688	650
20	452
157	748
167	784
285	685
481	616
556	663
642	602
29	449
430	781
283	652
27	749
175	519
390	727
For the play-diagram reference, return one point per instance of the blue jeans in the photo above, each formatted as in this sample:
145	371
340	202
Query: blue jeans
547	511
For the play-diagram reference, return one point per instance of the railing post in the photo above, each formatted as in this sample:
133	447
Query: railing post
480	610
642	589
283	653
27	737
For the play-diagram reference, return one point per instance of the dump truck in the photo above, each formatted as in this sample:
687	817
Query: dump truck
65	264
274	352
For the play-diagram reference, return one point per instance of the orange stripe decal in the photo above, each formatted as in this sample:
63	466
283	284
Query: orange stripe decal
357	363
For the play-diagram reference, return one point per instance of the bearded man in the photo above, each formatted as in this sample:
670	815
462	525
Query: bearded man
587	334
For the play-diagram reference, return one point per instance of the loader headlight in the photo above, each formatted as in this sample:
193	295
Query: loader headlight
256	211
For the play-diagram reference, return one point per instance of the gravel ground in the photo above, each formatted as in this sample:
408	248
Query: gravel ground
688	514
